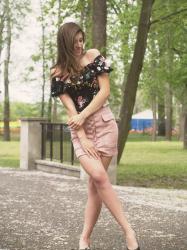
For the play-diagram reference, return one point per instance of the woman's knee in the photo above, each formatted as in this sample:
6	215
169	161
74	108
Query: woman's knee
100	178
95	169
91	185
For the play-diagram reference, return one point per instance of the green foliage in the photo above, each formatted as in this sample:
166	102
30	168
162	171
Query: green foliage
165	60
20	110
166	55
36	58
122	27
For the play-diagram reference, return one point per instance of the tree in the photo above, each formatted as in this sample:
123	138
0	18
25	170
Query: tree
6	135
99	25
11	26
173	59
2	24
43	60
129	94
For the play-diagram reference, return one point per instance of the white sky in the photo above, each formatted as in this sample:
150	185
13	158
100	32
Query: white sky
21	51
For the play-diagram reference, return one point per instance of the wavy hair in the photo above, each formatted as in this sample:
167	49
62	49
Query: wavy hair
66	60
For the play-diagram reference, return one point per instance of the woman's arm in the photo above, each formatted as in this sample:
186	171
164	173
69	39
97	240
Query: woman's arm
97	102
87	145
67	101
71	111
100	98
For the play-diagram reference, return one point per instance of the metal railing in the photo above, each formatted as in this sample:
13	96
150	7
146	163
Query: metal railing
56	143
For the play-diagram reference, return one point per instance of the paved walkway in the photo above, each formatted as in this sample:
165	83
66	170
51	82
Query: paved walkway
40	211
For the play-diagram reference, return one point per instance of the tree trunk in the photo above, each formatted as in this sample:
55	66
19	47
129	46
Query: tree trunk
6	136
181	125
2	25
59	12
154	109
185	132
161	119
99	25
168	91
185	119
129	94
178	116
54	110
43	62
168	112
54	103
49	109
86	20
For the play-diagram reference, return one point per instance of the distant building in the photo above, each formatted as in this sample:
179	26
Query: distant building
142	121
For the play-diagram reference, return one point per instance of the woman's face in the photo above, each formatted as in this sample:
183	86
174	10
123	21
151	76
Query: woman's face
78	44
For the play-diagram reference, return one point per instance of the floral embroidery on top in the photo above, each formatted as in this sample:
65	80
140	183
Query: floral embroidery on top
81	101
83	87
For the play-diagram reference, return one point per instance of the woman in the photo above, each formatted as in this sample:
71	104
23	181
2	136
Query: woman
80	79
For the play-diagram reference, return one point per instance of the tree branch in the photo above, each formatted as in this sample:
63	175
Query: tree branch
179	52
116	8
168	16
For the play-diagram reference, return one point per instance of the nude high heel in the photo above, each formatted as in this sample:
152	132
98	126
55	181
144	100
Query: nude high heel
134	249
138	248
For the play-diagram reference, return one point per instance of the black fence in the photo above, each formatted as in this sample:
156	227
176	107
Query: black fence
56	143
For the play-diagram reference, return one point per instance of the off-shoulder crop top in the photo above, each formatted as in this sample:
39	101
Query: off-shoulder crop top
83	87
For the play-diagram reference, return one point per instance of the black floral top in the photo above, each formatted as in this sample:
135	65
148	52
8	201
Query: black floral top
83	87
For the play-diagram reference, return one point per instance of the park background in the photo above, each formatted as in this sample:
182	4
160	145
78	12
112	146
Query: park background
155	158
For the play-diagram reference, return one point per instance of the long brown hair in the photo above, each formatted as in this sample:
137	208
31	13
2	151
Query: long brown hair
66	61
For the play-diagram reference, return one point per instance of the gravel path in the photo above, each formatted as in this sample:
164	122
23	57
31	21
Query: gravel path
40	211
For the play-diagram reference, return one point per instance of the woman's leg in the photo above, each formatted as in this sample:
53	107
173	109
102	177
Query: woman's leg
93	208
107	194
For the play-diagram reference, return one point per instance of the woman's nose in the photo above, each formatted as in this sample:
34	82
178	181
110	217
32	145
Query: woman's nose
79	44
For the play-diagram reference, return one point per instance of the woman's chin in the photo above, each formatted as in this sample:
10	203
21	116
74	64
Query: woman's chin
78	53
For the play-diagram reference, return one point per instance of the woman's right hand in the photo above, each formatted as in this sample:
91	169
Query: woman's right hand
89	148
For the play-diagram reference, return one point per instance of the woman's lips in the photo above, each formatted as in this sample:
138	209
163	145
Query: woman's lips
78	51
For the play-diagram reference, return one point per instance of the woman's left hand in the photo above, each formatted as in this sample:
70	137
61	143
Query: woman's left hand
76	121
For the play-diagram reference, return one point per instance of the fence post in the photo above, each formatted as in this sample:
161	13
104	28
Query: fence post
30	142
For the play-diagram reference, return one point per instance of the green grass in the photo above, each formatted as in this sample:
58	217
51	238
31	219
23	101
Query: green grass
144	163
153	164
9	154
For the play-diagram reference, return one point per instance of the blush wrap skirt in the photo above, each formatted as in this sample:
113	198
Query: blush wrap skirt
101	128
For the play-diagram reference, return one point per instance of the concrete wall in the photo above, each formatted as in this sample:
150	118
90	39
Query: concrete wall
30	142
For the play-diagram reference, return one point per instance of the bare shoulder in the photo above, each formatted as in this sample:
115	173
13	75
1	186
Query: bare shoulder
55	71
92	54
52	71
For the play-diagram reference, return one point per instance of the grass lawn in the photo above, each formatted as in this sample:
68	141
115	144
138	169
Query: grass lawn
9	154
144	163
153	164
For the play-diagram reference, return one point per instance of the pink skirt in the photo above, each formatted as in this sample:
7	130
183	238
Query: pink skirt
102	129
